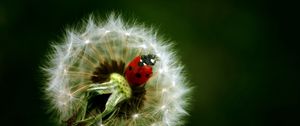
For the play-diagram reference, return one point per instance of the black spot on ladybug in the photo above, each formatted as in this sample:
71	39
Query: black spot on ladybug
147	75
138	75
130	68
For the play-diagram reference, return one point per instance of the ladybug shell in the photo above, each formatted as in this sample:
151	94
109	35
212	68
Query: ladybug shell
136	74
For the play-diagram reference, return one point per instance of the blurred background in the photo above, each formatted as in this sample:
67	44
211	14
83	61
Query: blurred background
240	56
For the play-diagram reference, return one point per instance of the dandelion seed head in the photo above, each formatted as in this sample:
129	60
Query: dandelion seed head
84	57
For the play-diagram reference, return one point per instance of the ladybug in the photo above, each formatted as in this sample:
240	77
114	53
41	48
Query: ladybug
139	70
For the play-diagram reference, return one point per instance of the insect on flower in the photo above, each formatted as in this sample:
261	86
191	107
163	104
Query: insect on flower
115	74
139	70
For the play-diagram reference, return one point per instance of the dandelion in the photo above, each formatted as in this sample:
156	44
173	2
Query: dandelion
92	78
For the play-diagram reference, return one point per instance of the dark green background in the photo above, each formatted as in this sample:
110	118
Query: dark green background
239	56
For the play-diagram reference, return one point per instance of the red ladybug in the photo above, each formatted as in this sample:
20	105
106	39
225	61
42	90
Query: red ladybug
139	70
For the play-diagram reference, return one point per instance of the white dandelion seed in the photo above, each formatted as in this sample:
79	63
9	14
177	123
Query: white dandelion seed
97	56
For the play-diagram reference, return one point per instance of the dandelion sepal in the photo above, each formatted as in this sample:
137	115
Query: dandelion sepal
118	88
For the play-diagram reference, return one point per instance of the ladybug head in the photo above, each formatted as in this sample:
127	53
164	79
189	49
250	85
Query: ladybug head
149	59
